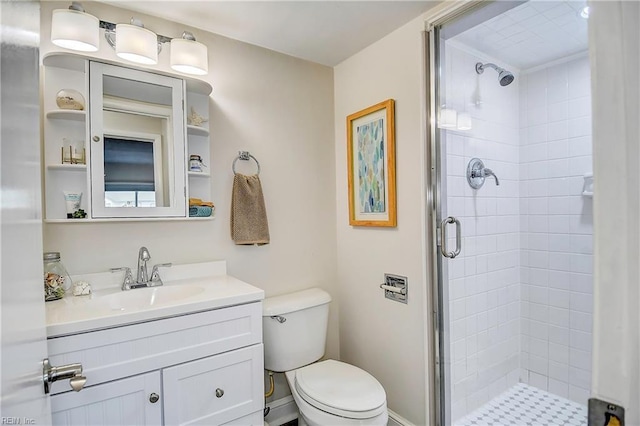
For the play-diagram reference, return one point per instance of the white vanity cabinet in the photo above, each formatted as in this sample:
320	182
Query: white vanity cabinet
200	368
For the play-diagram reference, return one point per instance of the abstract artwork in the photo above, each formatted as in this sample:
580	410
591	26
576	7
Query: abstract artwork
371	167
371	157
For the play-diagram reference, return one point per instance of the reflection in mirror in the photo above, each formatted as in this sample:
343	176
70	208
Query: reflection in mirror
129	179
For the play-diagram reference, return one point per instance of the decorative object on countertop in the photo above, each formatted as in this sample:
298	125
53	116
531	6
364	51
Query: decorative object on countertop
249	223
371	166
70	99
56	278
73	152
199	208
81	288
196	163
195	119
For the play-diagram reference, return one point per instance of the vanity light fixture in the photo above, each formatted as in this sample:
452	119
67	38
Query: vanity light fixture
189	56
135	43
132	42
75	29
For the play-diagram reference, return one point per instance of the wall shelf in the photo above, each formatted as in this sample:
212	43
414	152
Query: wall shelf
200	174
68	114
197	130
69	167
126	219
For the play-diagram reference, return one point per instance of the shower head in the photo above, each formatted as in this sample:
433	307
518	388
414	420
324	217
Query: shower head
504	77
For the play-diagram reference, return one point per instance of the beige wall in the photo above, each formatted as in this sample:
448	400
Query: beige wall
384	337
275	106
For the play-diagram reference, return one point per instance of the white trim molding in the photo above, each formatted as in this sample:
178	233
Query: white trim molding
396	419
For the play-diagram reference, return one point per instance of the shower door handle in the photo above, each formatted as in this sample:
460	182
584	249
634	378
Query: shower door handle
443	237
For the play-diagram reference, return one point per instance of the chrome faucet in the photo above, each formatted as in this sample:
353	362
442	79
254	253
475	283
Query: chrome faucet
488	172
143	257
142	279
477	172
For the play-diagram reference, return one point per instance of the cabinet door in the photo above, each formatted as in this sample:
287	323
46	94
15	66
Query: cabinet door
214	390
137	145
122	402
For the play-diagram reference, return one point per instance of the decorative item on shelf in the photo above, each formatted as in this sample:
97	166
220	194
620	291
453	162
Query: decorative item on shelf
195	119
72	201
56	278
73	152
199	208
70	99
79	214
196	163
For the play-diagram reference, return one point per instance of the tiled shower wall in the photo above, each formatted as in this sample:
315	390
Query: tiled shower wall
520	293
484	289
556	229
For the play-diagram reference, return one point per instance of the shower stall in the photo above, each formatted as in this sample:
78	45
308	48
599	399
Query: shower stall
513	188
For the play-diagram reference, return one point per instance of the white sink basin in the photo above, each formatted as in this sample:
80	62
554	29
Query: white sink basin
142	298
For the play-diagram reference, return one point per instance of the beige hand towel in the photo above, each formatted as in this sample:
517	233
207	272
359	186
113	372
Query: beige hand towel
248	213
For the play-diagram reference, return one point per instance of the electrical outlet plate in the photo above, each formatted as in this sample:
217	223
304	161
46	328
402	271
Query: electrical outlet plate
605	413
399	282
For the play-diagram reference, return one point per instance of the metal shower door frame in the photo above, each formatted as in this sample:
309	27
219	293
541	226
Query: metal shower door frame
436	205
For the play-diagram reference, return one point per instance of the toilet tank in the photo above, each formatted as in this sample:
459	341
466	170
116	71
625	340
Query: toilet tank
294	329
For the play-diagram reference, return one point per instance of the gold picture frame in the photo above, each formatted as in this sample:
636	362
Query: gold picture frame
371	167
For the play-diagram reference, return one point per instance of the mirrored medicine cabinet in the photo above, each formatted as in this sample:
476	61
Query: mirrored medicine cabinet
135	141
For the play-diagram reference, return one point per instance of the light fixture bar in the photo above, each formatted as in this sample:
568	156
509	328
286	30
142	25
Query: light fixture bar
110	28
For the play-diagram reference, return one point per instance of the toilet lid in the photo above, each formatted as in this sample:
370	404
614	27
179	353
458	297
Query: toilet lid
341	389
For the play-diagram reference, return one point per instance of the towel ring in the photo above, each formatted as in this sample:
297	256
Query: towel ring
245	156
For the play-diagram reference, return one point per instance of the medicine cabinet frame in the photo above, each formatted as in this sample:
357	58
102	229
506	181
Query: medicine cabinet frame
173	146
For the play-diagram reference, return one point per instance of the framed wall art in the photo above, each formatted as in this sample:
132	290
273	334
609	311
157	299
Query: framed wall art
371	166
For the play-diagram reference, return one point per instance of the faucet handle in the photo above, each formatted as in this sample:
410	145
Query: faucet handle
155	274
128	277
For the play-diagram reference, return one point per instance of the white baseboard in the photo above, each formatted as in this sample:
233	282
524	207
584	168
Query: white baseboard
396	419
283	410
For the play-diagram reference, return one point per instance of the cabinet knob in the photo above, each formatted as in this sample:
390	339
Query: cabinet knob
96	138
153	398
219	393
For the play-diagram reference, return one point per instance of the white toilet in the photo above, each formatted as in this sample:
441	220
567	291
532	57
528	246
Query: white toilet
328	392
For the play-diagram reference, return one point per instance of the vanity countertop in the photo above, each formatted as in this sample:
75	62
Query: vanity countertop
187	289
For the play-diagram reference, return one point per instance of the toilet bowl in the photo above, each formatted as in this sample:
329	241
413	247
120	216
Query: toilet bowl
335	393
327	393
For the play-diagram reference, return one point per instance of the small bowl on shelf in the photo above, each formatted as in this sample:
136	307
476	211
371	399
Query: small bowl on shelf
70	99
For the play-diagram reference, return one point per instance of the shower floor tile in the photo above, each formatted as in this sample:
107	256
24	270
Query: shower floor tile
524	405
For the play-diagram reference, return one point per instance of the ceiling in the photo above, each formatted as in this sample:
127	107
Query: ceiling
534	33
326	32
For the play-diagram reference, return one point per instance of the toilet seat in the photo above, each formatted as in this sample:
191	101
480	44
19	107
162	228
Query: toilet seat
341	389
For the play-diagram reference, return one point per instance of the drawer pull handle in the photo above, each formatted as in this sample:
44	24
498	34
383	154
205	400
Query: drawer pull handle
219	393
153	398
